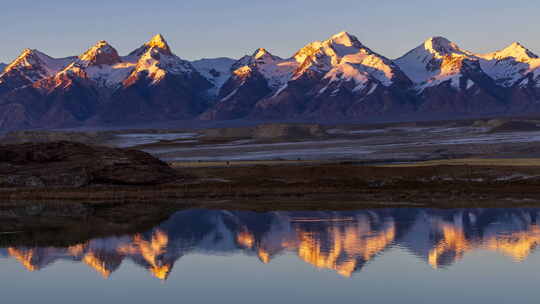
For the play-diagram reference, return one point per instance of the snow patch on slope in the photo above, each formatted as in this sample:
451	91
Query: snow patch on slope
279	73
108	76
275	70
215	70
347	72
372	65
53	65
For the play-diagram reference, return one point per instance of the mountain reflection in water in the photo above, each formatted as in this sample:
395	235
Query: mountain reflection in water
341	241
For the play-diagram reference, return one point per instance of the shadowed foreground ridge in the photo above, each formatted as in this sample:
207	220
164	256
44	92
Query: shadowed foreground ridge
69	164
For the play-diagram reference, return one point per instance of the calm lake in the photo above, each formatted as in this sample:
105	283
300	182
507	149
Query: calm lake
401	255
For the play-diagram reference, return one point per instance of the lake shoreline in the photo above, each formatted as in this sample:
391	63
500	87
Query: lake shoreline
103	209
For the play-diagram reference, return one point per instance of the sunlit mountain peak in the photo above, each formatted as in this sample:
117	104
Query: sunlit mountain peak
345	39
157	44
26	58
158	41
36	64
260	53
515	50
100	54
440	46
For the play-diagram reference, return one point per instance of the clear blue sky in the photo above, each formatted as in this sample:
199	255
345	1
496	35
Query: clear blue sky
205	28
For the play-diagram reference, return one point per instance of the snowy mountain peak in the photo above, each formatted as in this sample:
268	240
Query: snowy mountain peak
276	70
337	46
262	56
440	46
516	44
155	60
259	53
27	58
516	50
345	39
102	53
435	61
35	65
159	42
27	52
343	57
509	65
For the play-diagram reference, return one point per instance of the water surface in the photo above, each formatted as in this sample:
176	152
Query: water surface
214	256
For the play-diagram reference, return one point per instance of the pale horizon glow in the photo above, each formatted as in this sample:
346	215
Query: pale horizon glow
209	29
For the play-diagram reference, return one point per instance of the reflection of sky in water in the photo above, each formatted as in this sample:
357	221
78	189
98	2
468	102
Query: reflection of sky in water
397	256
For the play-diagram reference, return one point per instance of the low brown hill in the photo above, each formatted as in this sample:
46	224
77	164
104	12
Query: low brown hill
69	164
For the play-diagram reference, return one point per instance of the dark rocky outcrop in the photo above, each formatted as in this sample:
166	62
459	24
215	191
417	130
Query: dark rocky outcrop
69	164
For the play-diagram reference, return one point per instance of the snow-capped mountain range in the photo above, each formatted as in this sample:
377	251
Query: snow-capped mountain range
331	80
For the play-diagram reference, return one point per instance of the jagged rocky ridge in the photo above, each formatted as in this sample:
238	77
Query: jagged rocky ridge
100	86
336	79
